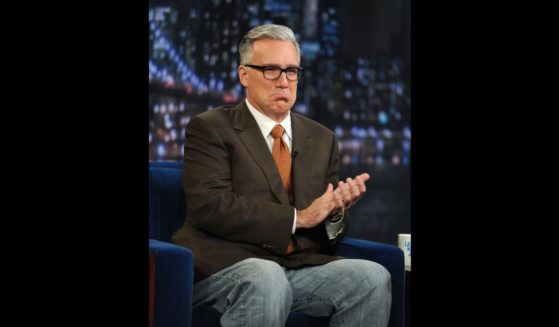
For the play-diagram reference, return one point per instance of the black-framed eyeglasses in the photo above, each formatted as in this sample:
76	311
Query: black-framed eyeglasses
274	72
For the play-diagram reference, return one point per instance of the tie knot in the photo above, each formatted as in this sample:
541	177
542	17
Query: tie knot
278	131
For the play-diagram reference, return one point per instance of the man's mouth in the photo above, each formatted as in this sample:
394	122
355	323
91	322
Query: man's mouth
280	97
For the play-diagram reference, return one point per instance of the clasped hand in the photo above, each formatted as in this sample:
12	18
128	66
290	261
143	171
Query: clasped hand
345	196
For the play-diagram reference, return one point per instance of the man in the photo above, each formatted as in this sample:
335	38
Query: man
263	217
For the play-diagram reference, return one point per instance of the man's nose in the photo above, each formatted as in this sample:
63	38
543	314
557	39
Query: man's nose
282	80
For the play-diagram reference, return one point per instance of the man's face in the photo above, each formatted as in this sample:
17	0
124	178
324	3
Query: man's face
274	98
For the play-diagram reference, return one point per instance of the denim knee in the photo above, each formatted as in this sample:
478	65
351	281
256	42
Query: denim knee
370	274
266	278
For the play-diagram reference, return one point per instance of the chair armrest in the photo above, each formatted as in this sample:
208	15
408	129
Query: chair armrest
385	254
174	273
390	257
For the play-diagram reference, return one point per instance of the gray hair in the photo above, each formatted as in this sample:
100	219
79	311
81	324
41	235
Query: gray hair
268	31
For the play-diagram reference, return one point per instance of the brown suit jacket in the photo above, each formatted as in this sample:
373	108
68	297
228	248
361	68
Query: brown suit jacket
237	207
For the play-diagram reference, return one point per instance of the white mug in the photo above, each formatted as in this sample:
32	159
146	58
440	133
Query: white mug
404	243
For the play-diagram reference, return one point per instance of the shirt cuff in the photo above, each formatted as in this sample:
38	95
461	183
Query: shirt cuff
294	221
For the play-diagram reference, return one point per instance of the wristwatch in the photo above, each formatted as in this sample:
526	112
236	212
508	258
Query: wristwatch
337	216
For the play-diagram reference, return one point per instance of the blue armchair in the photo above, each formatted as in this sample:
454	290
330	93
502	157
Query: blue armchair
174	265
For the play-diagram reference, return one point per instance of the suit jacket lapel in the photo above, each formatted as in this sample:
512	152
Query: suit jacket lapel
302	163
250	135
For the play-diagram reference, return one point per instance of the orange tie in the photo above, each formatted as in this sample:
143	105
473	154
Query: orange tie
282	157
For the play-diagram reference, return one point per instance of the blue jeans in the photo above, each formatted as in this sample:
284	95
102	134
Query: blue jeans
257	292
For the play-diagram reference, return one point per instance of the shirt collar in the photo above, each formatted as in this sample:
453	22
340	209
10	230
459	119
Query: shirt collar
266	124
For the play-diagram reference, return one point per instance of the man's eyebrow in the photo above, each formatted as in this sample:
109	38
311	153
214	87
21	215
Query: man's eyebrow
278	66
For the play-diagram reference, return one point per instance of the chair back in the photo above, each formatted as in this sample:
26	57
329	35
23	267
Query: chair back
166	164
167	207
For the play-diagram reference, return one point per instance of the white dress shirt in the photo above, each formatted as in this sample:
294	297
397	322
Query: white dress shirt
266	125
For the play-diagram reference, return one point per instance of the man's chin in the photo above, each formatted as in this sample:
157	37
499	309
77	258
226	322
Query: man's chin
283	106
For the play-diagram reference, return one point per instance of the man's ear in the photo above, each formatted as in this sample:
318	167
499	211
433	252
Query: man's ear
243	75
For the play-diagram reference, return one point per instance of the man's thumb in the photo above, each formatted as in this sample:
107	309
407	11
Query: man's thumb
329	189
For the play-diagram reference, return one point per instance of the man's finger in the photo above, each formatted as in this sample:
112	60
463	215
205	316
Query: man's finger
361	184
338	200
364	176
